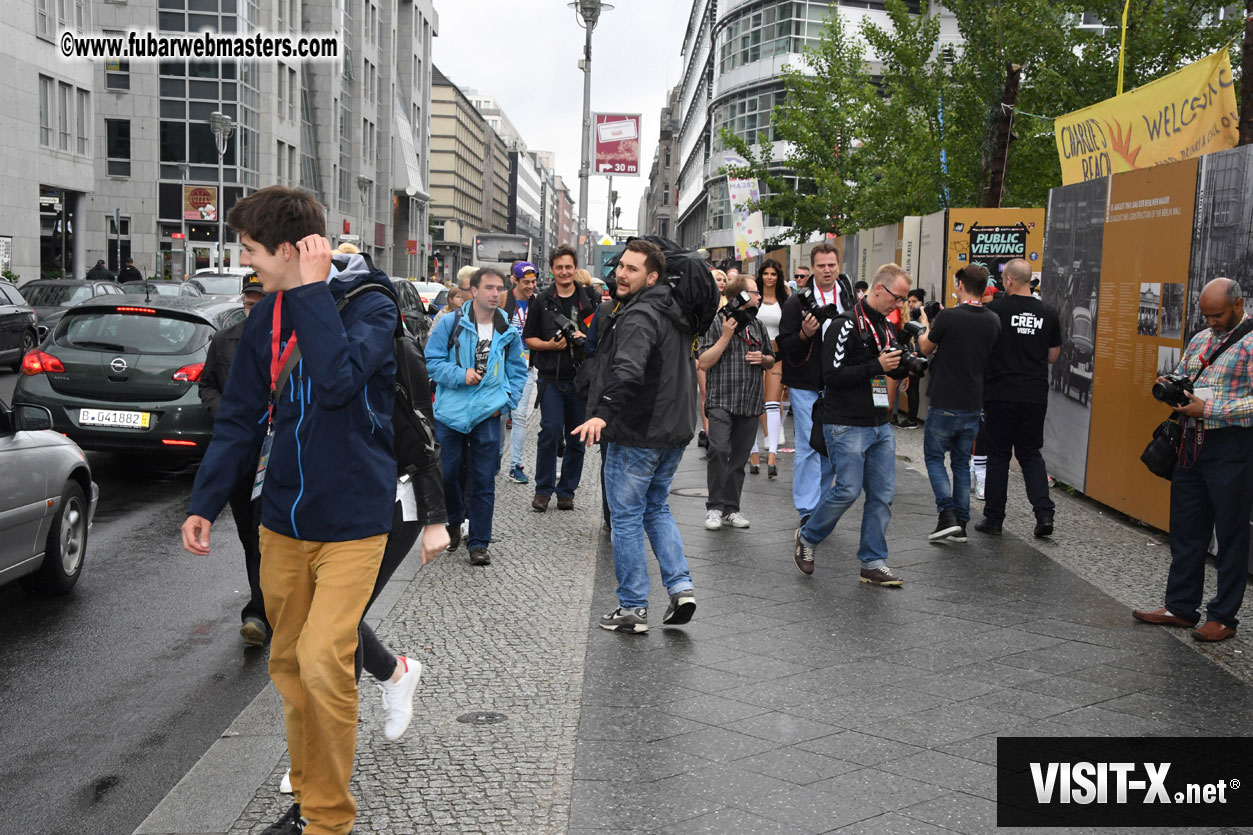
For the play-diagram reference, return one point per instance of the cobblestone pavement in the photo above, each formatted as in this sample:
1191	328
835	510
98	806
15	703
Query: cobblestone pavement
789	704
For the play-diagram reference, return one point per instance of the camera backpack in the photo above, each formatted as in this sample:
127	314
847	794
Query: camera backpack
691	282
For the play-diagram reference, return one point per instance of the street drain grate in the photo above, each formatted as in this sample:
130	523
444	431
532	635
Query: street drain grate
481	717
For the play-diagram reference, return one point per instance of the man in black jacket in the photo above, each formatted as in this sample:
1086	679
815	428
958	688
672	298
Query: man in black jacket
99	272
129	273
645	404
556	359
800	348
255	629
859	351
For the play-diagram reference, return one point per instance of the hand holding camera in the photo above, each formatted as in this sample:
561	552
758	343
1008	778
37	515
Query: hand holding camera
890	360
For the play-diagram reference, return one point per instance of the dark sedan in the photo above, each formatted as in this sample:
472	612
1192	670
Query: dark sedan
120	373
18	326
51	297
161	288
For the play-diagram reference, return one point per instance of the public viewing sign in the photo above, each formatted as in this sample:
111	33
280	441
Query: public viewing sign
1183	115
616	144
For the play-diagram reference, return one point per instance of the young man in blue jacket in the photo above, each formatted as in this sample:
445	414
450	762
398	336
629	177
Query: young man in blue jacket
319	439
475	358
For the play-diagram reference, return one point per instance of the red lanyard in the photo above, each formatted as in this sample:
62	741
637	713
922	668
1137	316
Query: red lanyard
522	312
750	341
822	296
862	317
277	360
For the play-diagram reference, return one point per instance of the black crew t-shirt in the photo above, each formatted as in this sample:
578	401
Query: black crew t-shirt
965	335
1019	369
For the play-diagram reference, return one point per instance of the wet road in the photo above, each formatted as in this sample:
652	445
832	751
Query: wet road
110	694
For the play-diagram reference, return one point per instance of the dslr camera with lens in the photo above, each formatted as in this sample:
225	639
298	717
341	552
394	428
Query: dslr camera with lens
911	362
810	305
1173	389
565	328
737	308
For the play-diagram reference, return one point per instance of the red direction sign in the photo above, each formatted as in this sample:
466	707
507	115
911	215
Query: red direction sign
616	144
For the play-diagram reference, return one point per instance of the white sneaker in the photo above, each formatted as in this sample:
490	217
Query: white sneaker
284	785
713	520
735	520
398	699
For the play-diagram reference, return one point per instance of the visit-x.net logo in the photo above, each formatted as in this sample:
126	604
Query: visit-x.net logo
1122	781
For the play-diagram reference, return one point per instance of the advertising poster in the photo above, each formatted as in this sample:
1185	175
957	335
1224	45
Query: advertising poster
749	226
200	203
1180	116
1156	205
993	238
930	276
1222	236
907	250
616	144
1070	284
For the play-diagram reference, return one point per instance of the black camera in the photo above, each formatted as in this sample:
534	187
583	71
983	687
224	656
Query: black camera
565	328
810	305
1173	389
915	313
932	309
737	308
911	363
912	329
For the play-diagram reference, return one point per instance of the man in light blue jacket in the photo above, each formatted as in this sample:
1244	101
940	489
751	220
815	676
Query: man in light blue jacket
475	359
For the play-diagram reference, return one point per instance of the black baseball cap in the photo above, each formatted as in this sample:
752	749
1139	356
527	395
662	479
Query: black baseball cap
252	284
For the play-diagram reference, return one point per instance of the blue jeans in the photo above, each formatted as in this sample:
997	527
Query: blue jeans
517	441
954	433
861	456
639	484
811	473
560	411
480	449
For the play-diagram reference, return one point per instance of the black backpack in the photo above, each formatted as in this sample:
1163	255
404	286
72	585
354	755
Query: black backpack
691	282
415	446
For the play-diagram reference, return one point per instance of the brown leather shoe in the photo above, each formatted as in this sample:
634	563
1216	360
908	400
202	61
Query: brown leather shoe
565	502
540	502
1212	630
1161	617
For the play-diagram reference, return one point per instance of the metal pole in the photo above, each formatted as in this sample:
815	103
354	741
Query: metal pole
609	207
221	225
182	216
585	166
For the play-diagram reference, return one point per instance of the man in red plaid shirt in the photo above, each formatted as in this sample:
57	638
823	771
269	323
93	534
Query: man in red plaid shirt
1210	491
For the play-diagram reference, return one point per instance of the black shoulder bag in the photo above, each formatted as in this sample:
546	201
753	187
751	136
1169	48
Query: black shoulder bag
1162	453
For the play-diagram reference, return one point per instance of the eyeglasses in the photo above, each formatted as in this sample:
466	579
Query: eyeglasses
799	276
893	295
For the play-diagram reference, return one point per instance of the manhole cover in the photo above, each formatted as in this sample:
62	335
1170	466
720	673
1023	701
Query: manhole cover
691	492
481	717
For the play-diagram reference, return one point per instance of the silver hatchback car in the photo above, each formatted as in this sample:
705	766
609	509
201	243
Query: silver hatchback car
47	502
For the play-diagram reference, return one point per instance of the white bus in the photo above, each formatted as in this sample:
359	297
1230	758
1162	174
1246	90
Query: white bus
493	249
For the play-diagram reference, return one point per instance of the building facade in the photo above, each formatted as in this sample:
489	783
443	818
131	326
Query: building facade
658	200
733	56
47	161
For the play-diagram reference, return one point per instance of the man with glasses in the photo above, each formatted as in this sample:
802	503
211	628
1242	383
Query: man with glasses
800	277
732	353
858	354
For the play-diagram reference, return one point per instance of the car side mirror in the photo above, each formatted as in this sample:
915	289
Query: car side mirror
431	310
29	418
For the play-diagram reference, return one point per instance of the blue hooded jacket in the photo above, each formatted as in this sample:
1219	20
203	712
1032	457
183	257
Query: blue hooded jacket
332	472
461	407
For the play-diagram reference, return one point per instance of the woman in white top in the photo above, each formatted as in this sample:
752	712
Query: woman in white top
774	293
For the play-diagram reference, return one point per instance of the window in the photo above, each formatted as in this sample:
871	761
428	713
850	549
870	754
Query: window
665	228
293	89
64	94
84	121
43	23
45	111
118	145
281	79
667	160
665	192
747	116
117	72
80	14
279	166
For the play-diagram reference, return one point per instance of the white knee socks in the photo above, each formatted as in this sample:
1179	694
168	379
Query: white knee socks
774	425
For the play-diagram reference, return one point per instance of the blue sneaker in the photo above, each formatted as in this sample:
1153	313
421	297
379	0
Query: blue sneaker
517	476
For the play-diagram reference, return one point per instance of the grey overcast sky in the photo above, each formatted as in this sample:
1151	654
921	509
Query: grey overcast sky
525	54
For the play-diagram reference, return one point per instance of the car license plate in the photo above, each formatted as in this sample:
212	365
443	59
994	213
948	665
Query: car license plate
108	417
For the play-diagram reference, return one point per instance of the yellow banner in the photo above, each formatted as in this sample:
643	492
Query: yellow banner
1186	114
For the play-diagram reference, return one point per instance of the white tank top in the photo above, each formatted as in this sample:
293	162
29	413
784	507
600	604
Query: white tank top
770	315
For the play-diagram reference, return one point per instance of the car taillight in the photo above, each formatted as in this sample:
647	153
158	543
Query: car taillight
189	373
175	442
143	310
38	362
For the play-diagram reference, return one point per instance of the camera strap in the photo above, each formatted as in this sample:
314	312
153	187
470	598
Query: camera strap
862	317
1241	331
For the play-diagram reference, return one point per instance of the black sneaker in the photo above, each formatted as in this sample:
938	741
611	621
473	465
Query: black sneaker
291	823
480	556
960	536
627	620
946	527
802	554
909	423
989	526
454	535
702	440
1043	525
881	577
682	607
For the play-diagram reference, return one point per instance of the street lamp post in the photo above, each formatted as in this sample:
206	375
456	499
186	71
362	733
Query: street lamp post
589	13
183	168
222	126
363	185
